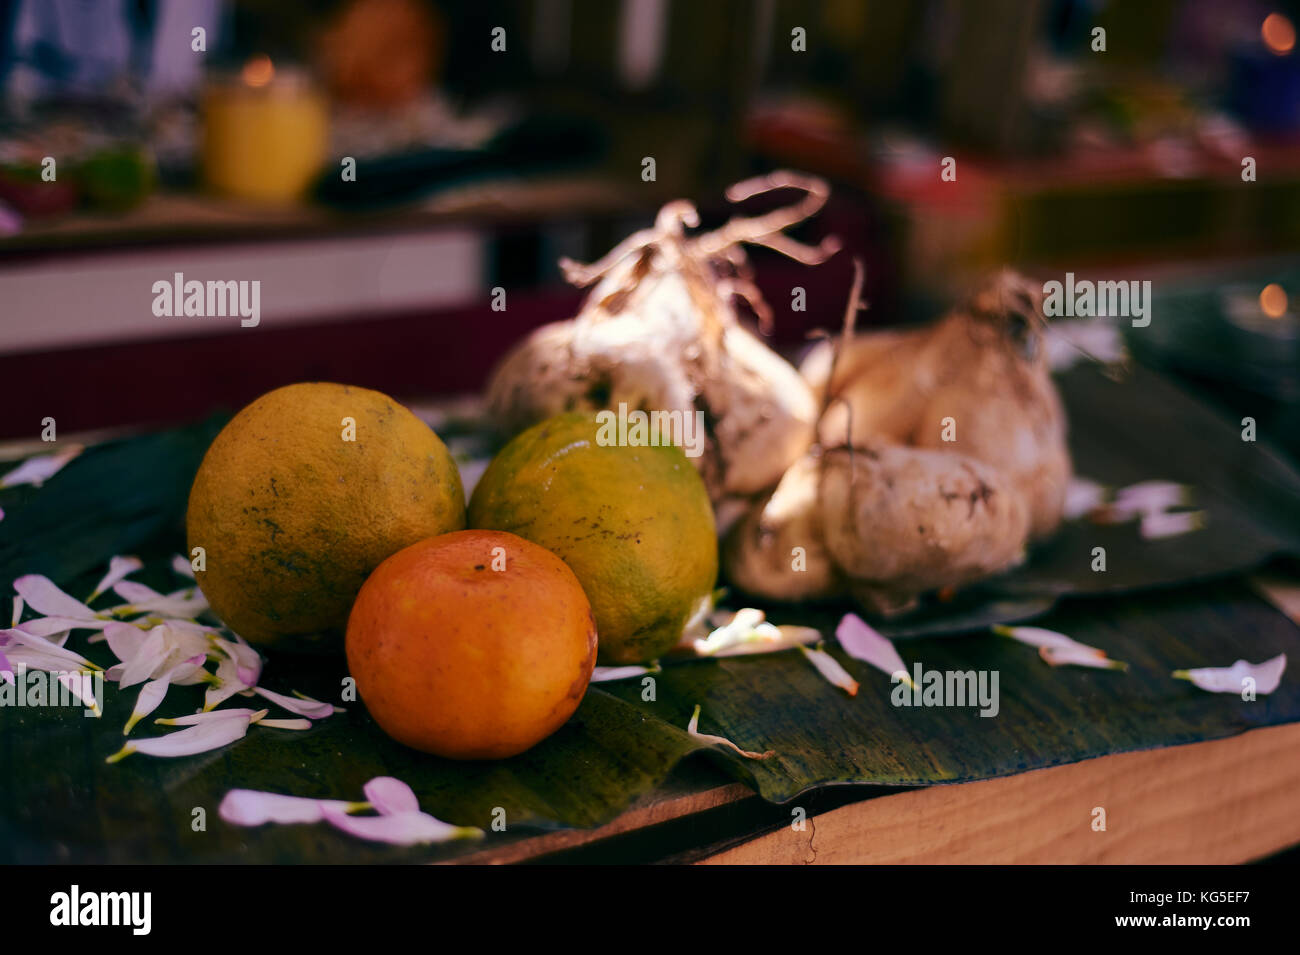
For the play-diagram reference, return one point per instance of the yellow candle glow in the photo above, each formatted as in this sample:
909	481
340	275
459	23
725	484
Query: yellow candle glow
265	133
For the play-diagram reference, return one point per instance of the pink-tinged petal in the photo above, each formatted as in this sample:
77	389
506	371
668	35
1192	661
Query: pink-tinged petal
1150	497
39	469
401	829
18	639
1160	526
247	661
118	567
302	706
1082	496
1079	656
153	692
151	655
114	673
249	807
183	567
1040	637
18	610
47	626
6	668
390	796
44	597
208	716
830	668
748	632
1056	649
611	674
186	604
227	684
300	723
693	728
202	738
1267	676
82	686
124	639
862	642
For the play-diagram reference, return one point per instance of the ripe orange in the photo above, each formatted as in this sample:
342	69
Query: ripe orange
471	645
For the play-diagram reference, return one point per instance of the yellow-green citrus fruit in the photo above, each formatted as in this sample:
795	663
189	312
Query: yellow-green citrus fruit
634	523
302	495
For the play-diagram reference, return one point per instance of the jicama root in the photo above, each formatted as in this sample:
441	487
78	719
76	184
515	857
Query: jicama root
658	332
901	521
975	383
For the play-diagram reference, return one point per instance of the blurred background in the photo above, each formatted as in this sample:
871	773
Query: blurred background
381	166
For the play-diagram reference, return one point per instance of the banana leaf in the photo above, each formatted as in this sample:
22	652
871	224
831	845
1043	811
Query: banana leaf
59	800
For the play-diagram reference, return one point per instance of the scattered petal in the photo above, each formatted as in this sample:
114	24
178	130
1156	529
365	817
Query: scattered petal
18	610
610	674
303	706
247	661
48	626
187	604
182	567
862	642
39	469
118	567
1267	676
226	684
1151	497
748	632
390	796
202	738
830	668
208	716
1082	496
44	597
300	723
82	686
24	647
400	829
249	807
1057	649
1160	526
693	728
1080	657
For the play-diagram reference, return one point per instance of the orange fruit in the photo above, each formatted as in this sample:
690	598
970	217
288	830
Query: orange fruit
471	645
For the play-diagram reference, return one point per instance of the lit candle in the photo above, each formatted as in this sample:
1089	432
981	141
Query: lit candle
265	132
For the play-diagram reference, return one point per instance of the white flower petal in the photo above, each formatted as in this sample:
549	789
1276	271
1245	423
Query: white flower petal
19	640
39	469
44	597
830	668
1079	656
300	723
151	694
48	626
401	829
1082	495
1160	526
186	604
1267	676
148	657
863	642
249	807
118	567
390	796
748	632
226	685
248	662
693	728
303	706
611	674
18	610
207	716
1151	497
202	738
82	686
183	567
1057	649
